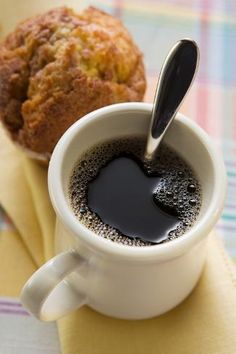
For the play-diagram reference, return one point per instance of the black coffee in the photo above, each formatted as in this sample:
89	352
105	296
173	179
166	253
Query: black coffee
115	194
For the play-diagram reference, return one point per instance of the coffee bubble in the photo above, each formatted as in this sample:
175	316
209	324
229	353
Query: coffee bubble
178	190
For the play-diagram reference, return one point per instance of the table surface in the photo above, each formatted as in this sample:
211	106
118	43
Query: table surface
155	26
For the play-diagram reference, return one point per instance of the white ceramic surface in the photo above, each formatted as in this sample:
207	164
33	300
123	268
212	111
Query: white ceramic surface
117	280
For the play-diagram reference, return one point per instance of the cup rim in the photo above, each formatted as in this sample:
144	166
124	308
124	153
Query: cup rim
160	252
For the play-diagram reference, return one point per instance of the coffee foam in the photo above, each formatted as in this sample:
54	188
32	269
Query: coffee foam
178	189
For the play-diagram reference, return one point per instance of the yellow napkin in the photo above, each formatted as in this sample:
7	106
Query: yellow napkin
203	324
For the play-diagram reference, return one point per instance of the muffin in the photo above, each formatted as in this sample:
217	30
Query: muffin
58	66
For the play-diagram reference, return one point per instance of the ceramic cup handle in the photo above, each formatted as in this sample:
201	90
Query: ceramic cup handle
48	294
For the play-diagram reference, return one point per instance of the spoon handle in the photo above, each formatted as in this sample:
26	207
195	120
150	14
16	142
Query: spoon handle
174	81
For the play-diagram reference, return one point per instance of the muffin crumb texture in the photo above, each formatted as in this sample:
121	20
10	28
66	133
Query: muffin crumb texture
57	67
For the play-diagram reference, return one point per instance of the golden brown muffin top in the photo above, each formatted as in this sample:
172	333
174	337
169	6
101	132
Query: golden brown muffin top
40	60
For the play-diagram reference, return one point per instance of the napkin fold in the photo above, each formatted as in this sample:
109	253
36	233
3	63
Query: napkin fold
204	323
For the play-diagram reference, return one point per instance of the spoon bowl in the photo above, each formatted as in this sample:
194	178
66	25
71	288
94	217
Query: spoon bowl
175	79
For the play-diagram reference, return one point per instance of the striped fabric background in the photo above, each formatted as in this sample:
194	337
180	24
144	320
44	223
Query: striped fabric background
155	26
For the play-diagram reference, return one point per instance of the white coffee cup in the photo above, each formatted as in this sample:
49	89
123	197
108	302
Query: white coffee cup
117	280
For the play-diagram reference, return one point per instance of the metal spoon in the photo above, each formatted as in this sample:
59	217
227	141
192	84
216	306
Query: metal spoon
175	79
